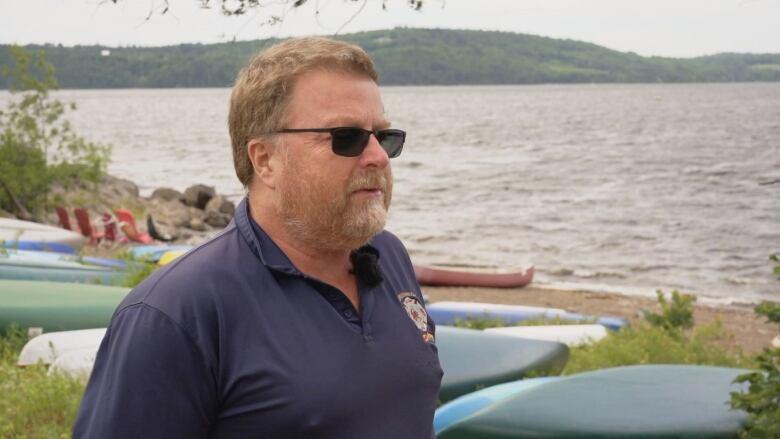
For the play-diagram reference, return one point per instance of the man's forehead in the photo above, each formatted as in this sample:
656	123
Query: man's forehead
344	119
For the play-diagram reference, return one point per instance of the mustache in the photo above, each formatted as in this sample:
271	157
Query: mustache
372	180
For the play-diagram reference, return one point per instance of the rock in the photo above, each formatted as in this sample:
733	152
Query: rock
169	213
167	194
198	195
114	190
217	219
222	205
197	224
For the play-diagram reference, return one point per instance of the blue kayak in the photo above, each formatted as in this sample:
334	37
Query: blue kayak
448	313
466	405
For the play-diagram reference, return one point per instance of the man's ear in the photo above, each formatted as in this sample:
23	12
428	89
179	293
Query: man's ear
262	154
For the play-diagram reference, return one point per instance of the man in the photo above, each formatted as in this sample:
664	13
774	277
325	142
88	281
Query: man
302	319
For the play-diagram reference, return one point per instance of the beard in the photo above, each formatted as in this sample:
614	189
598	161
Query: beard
325	215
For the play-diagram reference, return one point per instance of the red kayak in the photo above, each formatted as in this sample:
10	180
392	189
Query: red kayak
472	277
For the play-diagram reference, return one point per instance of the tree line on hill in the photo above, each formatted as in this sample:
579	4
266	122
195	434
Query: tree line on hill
406	57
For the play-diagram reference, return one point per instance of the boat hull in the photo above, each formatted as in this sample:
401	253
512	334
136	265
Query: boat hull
474	359
450	277
658	401
13	230
57	306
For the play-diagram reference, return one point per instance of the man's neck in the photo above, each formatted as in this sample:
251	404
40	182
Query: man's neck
332	266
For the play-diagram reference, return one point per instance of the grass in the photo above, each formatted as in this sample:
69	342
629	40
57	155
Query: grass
648	344
34	405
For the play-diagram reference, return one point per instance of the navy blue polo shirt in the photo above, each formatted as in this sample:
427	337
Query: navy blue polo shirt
232	341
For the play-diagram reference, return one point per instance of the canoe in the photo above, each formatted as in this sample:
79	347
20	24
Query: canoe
448	313
57	306
651	401
58	267
12	230
466	405
570	335
153	253
473	359
76	363
472	277
39	246
47	347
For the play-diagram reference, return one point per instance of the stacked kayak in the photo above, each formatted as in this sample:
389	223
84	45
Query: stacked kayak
58	267
448	313
34	236
57	306
473	359
658	401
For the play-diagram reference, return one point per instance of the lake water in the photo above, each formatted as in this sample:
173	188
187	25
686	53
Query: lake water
617	187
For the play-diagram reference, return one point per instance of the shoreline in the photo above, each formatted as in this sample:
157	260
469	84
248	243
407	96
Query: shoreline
742	331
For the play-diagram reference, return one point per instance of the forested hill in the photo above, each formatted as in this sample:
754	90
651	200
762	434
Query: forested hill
409	57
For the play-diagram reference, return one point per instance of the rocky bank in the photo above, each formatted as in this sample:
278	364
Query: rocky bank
188	217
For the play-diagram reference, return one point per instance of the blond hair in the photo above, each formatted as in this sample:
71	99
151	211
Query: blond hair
263	88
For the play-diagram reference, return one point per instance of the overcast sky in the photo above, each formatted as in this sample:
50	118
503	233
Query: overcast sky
679	28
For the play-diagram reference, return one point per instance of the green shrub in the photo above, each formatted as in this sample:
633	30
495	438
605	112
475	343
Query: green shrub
37	145
479	323
675	315
664	338
34	405
486	322
762	399
648	344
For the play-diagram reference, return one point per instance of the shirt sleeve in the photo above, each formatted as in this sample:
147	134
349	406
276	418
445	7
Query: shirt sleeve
150	380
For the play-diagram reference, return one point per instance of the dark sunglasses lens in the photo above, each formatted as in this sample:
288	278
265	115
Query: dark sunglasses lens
349	142
392	141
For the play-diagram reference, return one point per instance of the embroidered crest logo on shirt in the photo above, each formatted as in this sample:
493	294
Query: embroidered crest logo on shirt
417	313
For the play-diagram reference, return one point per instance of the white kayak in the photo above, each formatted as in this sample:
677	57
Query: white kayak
78	363
571	335
13	230
49	347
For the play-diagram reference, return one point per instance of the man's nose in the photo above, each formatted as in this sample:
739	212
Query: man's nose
374	155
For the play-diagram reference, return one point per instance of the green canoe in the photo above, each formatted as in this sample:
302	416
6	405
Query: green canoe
658	401
57	306
474	359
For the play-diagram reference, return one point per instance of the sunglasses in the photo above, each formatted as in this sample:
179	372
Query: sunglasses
351	141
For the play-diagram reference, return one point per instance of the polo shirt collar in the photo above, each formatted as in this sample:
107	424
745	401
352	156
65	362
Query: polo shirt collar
264	248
